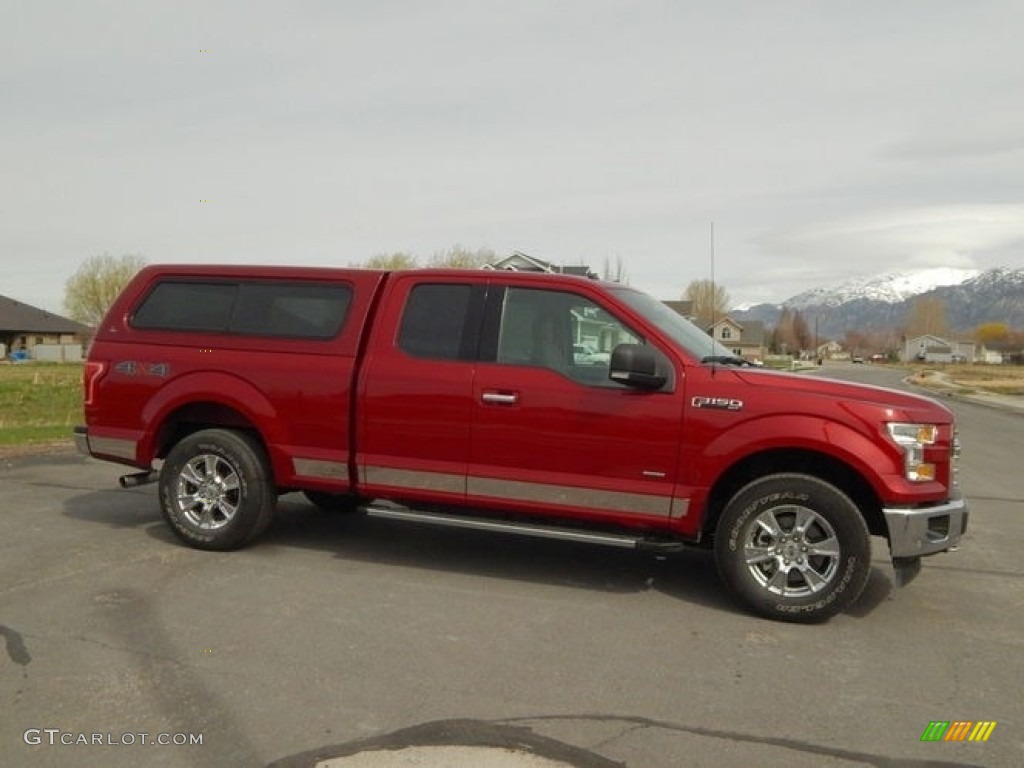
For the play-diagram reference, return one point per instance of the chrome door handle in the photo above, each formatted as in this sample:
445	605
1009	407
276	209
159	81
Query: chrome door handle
500	398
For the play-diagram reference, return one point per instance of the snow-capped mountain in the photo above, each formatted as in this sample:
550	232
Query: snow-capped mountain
891	288
971	297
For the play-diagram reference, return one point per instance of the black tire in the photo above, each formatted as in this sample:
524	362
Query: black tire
336	503
793	547
216	490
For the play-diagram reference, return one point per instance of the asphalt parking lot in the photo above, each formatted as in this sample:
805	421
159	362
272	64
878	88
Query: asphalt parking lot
334	637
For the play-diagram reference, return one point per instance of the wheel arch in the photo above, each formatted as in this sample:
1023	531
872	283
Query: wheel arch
198	415
223	401
794	460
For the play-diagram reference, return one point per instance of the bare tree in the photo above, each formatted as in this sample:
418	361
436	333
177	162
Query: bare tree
396	260
459	257
927	317
783	339
94	286
802	332
710	301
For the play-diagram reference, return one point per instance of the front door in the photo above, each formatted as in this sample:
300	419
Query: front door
550	430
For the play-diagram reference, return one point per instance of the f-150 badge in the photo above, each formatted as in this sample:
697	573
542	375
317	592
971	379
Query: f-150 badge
718	403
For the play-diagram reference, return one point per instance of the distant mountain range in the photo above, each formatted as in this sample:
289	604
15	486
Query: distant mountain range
972	297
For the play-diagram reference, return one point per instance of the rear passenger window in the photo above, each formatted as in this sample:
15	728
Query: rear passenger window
434	322
188	307
297	311
292	310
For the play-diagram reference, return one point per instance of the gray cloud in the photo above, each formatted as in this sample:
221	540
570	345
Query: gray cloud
824	141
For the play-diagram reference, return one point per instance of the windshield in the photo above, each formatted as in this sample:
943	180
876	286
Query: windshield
672	324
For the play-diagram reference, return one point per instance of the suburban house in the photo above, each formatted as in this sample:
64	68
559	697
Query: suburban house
990	356
521	262
746	340
832	350
27	331
933	349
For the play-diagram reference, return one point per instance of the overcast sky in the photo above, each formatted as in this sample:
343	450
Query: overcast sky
824	140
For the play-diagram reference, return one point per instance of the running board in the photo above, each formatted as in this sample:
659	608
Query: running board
622	540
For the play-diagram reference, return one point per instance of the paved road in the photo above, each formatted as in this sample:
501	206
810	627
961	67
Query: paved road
336	634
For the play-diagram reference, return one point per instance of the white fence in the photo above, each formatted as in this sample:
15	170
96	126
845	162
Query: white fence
57	353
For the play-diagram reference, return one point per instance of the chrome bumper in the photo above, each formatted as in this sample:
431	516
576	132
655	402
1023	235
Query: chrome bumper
926	530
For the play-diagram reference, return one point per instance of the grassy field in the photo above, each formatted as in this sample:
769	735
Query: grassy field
997	379
39	402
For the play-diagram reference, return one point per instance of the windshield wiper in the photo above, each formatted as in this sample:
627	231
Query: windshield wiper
726	360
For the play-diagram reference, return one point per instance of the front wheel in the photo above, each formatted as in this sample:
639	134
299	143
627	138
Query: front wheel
793	547
216	490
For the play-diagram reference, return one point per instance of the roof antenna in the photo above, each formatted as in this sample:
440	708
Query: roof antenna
714	365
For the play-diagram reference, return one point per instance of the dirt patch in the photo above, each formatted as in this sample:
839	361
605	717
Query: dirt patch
36	449
998	386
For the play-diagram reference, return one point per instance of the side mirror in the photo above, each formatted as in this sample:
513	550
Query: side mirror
636	366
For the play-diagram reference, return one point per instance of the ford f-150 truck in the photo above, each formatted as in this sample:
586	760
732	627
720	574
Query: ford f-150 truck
456	398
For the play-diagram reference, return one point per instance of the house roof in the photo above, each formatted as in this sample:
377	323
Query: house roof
751	331
523	262
926	338
16	317
684	308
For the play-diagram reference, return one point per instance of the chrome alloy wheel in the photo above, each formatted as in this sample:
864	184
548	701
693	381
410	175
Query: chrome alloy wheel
792	551
208	491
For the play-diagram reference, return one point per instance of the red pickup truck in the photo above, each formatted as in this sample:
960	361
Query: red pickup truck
461	398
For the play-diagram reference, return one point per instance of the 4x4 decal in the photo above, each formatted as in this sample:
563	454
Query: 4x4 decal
132	368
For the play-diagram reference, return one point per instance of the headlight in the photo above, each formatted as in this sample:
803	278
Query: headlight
913	438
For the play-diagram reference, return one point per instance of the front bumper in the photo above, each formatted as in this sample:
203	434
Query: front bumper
920	531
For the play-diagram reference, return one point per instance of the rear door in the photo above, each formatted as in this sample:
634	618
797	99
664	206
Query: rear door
551	432
416	388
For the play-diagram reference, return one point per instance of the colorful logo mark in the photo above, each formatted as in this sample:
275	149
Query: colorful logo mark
958	730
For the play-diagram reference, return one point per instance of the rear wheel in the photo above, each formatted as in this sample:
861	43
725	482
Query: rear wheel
216	490
793	547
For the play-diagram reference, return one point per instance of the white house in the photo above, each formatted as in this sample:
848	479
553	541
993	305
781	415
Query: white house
933	349
746	340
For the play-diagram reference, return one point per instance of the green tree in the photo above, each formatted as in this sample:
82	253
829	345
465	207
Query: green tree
710	301
90	291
